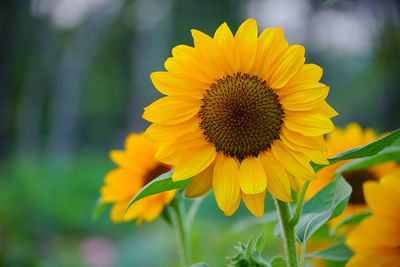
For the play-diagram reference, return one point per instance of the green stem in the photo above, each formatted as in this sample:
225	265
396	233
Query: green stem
182	230
303	255
287	232
299	205
192	211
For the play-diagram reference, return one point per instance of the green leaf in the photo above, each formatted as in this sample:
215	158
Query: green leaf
363	151
391	153
337	253
98	209
325	205
160	184
278	262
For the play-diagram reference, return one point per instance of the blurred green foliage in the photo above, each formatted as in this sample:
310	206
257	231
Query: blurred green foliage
48	218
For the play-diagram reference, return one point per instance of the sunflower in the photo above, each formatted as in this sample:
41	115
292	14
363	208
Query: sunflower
338	141
242	114
376	240
136	168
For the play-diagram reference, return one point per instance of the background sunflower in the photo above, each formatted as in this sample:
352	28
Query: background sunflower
136	168
376	240
338	141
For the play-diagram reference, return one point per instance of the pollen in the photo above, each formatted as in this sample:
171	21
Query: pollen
241	115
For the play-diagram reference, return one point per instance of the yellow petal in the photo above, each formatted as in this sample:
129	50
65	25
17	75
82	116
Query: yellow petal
287	66
293	161
308	73
231	210
275	46
200	183
315	155
163	134
176	84
169	196
255	203
309	97
252	178
171	110
278	180
376	257
308	123
294	183
381	199
227	46
187	142
117	210
135	157
263	46
385	228
213	61
311	142
327	110
392	180
369	135
137	209
226	184
246	40
154	207
136	163
193	162
119	184
186	58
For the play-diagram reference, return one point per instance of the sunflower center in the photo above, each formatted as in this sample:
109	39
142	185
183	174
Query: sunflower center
155	172
241	116
356	179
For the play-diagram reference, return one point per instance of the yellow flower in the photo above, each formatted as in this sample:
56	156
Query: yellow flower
136	167
243	113
376	240
338	141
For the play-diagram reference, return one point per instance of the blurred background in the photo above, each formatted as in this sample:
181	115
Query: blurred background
74	79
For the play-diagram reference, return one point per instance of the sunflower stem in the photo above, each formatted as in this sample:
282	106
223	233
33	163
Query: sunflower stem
303	255
178	219
287	232
299	205
192	211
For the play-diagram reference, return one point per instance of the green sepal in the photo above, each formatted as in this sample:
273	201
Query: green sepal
249	254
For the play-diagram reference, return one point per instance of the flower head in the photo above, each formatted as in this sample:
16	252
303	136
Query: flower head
242	114
376	240
136	168
338	141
